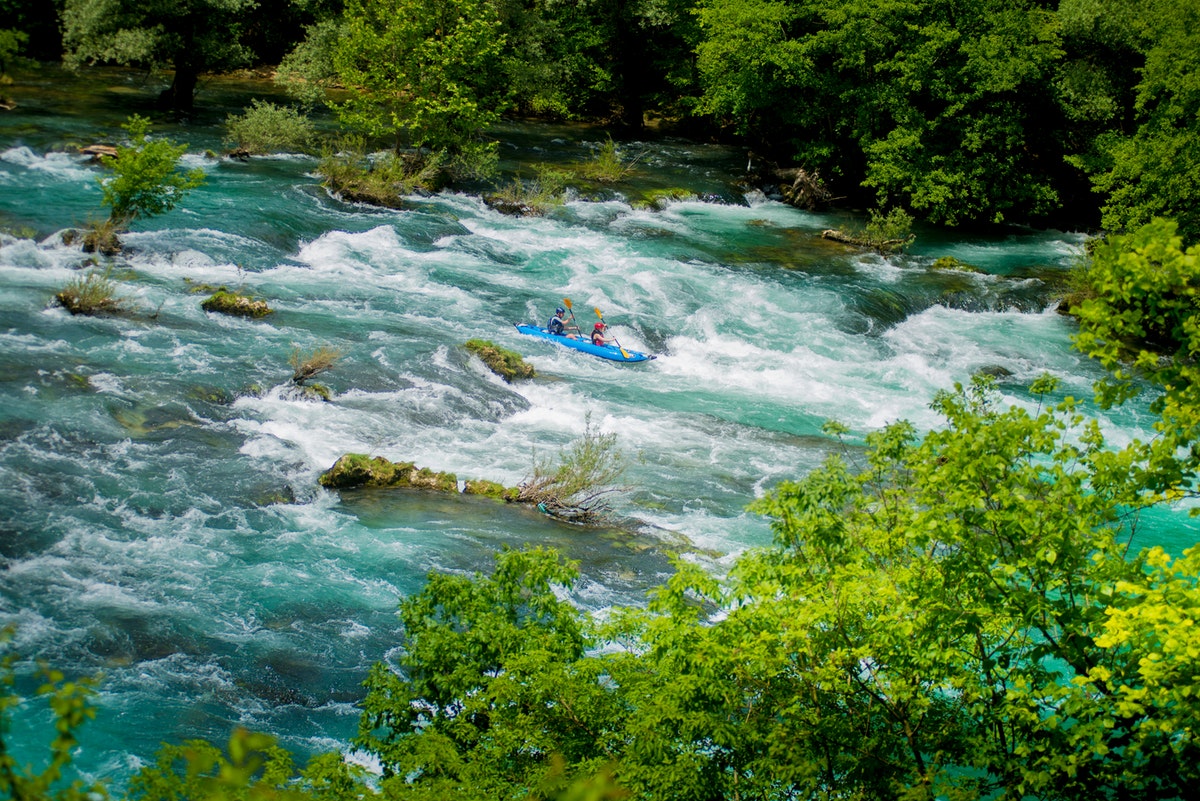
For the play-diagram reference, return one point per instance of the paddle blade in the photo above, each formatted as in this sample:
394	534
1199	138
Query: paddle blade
567	303
598	314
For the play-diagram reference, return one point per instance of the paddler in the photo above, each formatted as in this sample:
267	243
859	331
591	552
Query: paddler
558	326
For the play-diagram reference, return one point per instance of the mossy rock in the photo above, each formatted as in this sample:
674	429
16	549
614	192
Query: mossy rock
316	392
513	207
361	470
952	264
491	489
236	303
101	240
424	478
659	199
507	364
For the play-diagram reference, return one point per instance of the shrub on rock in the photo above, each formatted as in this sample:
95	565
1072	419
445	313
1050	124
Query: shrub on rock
236	303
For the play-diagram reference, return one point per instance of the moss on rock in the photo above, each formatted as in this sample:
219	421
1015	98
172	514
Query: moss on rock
361	470
507	364
952	264
236	303
491	489
424	478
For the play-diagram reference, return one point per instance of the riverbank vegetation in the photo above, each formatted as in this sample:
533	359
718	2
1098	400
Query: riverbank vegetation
1072	113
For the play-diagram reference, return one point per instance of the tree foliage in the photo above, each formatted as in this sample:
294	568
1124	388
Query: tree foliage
1132	94
1142	323
423	72
957	618
71	703
1079	113
269	128
935	106
192	38
145	180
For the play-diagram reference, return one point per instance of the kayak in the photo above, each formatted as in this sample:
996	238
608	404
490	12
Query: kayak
603	351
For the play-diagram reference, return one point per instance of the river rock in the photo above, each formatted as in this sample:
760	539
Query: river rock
361	470
491	489
507	364
236	303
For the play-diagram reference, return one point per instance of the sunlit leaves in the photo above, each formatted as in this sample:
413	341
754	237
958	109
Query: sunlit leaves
1142	323
145	178
422	71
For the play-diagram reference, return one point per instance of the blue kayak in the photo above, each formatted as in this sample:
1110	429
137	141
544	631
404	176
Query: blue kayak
603	351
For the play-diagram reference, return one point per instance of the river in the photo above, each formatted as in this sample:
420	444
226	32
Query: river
160	518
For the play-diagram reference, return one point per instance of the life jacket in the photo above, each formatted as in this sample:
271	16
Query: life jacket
556	325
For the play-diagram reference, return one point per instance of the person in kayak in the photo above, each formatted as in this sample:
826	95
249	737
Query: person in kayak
558	326
598	337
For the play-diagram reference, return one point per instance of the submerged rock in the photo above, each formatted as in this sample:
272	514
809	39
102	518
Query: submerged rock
949	263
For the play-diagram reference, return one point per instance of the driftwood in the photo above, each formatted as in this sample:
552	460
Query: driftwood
804	189
98	152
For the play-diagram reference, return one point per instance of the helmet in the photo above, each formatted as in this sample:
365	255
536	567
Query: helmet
560	310
599	327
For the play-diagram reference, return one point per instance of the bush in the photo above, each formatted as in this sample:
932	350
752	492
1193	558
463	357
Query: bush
891	231
532	198
580	483
94	293
145	180
268	128
607	166
313	363
382	181
100	236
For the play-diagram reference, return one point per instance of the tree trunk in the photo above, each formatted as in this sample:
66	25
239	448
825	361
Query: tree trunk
179	96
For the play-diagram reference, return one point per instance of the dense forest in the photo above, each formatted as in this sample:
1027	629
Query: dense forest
1081	113
947	614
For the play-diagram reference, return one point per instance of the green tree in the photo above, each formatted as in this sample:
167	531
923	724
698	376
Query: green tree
145	178
424	72
608	59
1141	322
1152	168
253	767
11	42
941	107
488	687
191	38
36	24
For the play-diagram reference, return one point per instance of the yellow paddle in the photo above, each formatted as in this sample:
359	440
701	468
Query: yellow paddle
567	303
624	352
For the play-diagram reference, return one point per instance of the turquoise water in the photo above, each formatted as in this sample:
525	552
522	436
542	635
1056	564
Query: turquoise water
160	520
